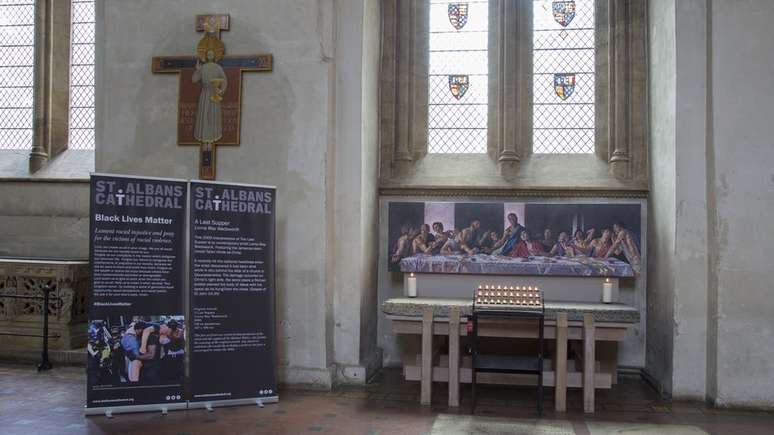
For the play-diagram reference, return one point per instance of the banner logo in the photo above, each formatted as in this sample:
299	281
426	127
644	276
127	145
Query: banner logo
458	85
458	15
564	85
564	12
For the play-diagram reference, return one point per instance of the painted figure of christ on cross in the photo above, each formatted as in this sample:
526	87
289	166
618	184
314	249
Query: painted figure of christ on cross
209	102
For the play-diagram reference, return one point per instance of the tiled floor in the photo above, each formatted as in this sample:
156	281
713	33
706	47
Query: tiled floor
52	403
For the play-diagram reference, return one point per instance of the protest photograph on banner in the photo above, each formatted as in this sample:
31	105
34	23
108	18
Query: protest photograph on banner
136	351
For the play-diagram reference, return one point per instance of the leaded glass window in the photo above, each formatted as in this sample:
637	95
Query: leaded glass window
458	77
82	75
17	59
563	77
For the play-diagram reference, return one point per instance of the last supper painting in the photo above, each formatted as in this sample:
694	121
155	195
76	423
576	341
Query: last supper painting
516	238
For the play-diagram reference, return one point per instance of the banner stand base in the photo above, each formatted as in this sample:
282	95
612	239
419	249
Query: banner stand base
234	402
108	411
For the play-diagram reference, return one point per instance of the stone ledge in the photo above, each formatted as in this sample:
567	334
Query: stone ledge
413	307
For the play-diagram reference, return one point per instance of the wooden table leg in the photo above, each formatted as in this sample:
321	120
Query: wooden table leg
560	362
589	363
427	357
454	357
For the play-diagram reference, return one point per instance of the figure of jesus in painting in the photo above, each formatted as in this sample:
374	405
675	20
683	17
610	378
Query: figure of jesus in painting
209	124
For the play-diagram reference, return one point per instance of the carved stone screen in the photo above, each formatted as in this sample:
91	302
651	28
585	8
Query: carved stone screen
82	76
17	58
563	77
458	76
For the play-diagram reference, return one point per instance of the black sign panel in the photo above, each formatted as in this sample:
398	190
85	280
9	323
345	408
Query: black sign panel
232	292
137	326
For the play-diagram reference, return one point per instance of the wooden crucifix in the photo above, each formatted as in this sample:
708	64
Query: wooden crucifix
209	101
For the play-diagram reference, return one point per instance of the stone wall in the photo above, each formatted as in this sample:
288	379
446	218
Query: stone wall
662	196
741	187
307	127
712	195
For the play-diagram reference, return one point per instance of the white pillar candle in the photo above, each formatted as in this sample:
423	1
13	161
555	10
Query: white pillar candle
607	291
411	286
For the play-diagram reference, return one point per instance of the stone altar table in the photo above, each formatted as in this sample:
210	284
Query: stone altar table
588	323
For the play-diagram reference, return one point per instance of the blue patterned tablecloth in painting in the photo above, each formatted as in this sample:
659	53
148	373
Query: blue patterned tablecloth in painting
499	265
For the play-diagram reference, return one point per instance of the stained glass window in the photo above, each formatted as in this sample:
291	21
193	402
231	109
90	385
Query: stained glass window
17	59
563	77
82	75
458	77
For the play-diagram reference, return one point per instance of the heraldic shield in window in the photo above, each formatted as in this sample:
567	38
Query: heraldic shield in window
563	77
458	77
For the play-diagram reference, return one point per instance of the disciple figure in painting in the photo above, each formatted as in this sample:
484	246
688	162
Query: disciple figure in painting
563	247
625	245
452	245
470	236
601	245
422	242
209	124
403	245
549	240
581	243
456	245
440	238
488	242
527	247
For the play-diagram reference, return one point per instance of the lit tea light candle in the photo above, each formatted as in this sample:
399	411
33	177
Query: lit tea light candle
411	286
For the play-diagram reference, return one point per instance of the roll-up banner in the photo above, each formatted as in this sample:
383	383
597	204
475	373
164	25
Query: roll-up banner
137	323
232	230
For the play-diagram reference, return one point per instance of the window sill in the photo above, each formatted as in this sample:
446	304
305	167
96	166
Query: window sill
69	166
537	174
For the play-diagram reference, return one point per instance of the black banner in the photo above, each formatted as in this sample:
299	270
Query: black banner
232	292
137	326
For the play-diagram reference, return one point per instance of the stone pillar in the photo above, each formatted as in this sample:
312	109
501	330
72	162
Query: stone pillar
619	87
505	77
404	40
39	153
51	81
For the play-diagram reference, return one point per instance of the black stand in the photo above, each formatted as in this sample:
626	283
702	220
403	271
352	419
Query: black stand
45	364
508	364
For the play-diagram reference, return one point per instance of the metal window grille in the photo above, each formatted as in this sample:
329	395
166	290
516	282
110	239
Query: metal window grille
458	77
17	60
82	76
563	77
